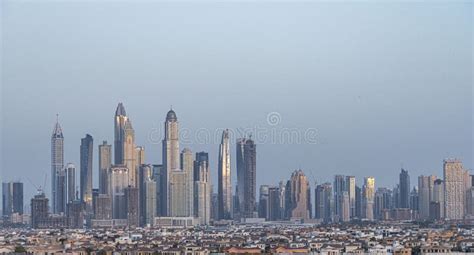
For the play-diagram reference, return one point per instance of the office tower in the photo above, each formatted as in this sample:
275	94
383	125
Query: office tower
61	191
140	155
86	172
437	203
125	144
454	189
170	152
346	207
57	159
159	176
368	195
339	189
425	195
75	214
187	166
274	205
404	189
118	177
282	197
358	192
145	173
181	185
470	202
263	202
119	134
95	195
298	200
12	198
322	200
350	187
39	209
224	178
131	206
396	196
414	206
383	202
246	177
214	208
150	201
71	187
103	208
105	161
202	188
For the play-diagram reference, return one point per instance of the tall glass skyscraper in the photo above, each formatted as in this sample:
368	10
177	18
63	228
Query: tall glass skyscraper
224	192
246	177
86	171
57	161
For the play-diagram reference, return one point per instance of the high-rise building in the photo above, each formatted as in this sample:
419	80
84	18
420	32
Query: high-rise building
119	134
454	189
105	161
140	155
61	191
350	187
263	202
404	189
246	177
150	201
131	206
383	202
57	160
339	188
274	205
181	185
160	177
323	202
170	153
39	210
437	203
358	196
145	174
368	196
124	142
86	172
12	198
414	206
425	195
103	208
75	214
202	188
118	177
298	201
224	178
71	188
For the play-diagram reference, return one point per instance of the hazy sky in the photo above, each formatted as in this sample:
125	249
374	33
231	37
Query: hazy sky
384	84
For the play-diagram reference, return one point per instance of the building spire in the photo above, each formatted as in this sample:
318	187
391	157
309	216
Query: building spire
120	110
57	131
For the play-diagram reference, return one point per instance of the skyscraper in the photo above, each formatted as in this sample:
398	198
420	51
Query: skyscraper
86	152
39	210
425	195
246	177
119	141
118	176
159	176
12	198
224	178
125	144
71	182
299	187
57	160
202	188
454	189
150	201
61	191
404	189
274	206
368	196
339	189
145	174
180	185
437	203
323	202
263	202
350	186
105	161
170	152
131	206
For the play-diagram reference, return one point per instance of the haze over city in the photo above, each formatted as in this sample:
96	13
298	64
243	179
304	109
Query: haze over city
385	85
